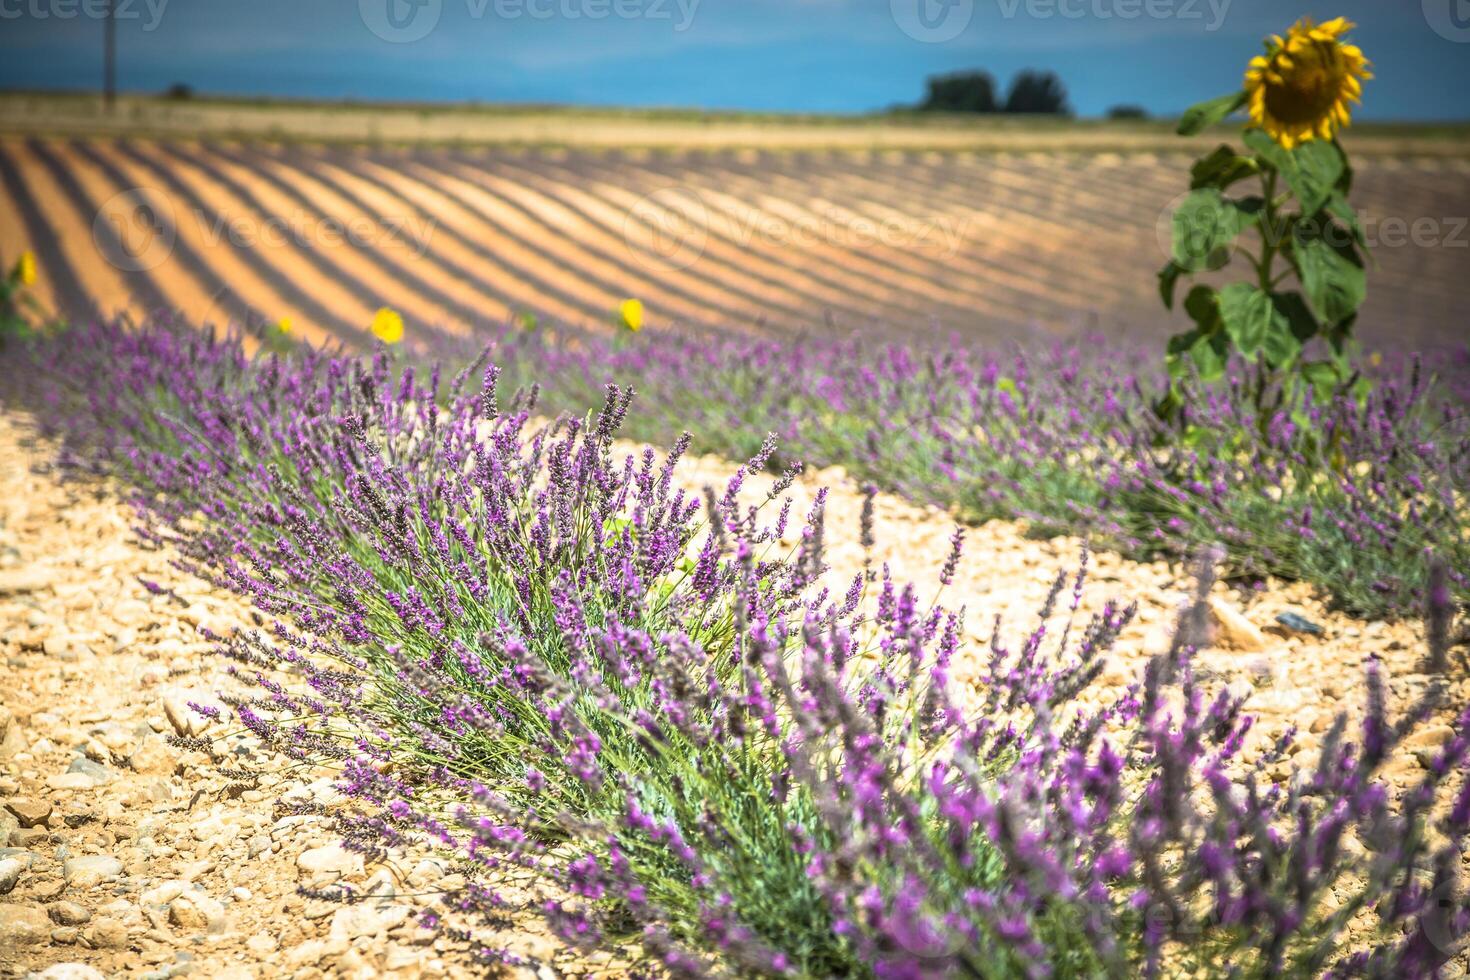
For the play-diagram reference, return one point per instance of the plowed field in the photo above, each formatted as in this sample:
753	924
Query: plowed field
987	245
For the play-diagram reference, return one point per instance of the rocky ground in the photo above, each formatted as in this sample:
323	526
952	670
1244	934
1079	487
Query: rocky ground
128	855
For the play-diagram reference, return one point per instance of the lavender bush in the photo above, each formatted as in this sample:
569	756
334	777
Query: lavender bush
546	659
1348	487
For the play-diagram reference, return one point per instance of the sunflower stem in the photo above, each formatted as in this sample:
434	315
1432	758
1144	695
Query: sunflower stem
1268	232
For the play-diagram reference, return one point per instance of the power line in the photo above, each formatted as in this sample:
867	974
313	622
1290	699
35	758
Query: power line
109	58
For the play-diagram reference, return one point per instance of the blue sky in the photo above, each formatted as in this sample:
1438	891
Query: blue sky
785	55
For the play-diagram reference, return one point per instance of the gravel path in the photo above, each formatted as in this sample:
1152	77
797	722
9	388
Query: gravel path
129	855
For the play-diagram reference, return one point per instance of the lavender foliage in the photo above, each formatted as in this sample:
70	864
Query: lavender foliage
1349	488
543	657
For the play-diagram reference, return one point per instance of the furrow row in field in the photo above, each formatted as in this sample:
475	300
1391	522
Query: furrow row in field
183	283
396	237
526	244
366	246
981	245
859	197
713	225
652	232
666	240
576	246
693	249
276	220
663	239
115	232
967	246
1008	232
86	284
203	232
24	228
760	214
482	247
973	288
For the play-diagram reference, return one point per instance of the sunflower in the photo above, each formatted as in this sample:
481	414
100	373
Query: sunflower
1300	89
25	269
388	326
631	312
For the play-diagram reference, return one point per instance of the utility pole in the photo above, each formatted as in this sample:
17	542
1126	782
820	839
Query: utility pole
109	58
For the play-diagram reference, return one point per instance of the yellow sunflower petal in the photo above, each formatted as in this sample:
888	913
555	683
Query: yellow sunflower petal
631	310
1302	88
25	269
388	326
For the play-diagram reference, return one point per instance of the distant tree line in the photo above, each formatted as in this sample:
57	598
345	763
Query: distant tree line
974	91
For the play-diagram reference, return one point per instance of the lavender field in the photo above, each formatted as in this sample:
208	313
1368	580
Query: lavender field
869	546
512	645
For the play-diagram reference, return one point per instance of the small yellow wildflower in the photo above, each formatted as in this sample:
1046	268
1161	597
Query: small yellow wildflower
388	326
631	311
284	325
1301	88
25	269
